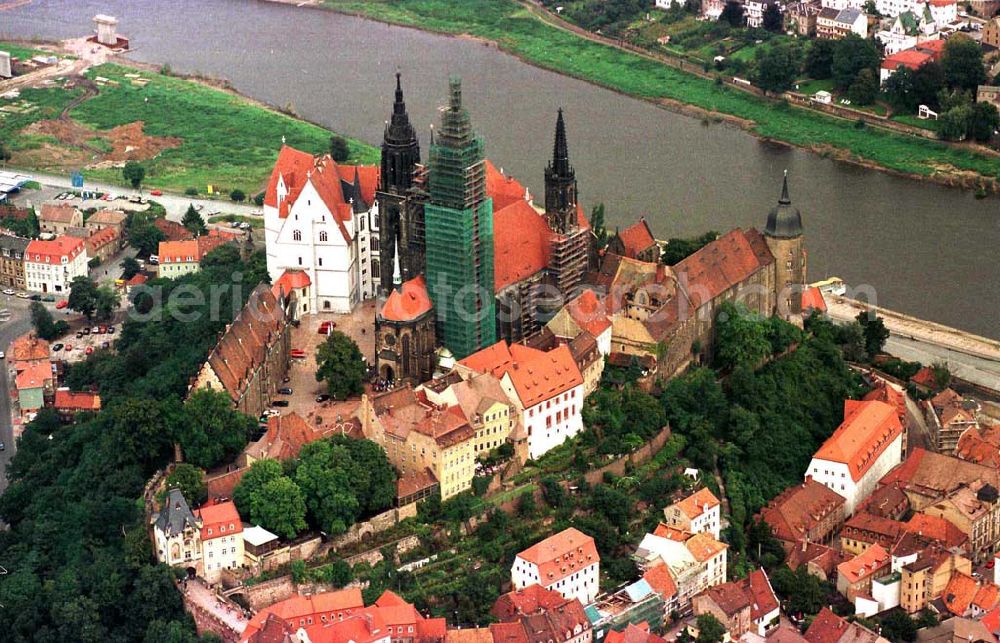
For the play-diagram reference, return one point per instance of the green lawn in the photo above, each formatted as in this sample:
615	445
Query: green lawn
22	51
810	87
226	141
515	29
255	222
31	106
911	119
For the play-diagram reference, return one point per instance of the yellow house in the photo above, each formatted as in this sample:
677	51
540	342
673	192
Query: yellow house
923	580
419	435
482	399
178	258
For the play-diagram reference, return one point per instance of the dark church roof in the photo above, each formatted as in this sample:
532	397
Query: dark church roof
784	221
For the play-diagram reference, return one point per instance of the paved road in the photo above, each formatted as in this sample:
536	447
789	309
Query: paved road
175	204
982	371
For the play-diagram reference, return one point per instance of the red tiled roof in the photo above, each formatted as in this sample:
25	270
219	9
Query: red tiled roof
521	240
869	427
469	635
873	560
290	280
346	602
58	213
981	446
910	58
27	348
562	555
796	510
934	47
409	302
285	437
100	239
730	598
536	375
529	600
411	483
503	189
589	312
67	400
959	593
812	299
671	533
704	547
697	503
220	519
827	627
721	264
223	485
508	633
636	238
53	251
634	634
189	250
659	578
137	280
172	230
32	374
936	528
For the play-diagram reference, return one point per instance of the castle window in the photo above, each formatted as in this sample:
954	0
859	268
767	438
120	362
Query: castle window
322	235
296	235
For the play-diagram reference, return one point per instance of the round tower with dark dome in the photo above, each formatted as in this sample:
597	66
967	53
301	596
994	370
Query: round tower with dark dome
783	234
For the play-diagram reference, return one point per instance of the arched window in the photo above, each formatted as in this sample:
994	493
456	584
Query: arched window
296	235
322	235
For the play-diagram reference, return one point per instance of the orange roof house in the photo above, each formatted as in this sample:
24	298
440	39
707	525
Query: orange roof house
561	555
219	520
32	375
187	251
867	430
634	634
535	375
809	511
937	528
54	251
854	577
67	401
28	348
635	242
812	299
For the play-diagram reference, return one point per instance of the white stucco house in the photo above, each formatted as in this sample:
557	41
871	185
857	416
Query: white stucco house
567	563
316	214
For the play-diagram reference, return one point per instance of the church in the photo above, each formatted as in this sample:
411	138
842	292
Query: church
466	245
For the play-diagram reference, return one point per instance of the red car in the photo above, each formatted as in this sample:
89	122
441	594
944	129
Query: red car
156	193
297	352
103	329
62	304
325	327
989	565
68	347
90	350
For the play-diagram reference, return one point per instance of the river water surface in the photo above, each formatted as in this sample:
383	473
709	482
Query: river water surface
928	250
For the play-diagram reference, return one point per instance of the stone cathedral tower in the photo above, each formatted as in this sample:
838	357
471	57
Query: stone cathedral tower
783	234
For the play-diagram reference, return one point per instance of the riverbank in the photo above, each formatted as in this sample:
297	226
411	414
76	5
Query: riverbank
518	31
188	132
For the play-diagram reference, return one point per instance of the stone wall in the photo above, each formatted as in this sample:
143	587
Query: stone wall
640	456
377	524
205	622
269	592
374	556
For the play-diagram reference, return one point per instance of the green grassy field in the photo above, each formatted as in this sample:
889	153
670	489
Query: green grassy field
516	30
24	51
226	141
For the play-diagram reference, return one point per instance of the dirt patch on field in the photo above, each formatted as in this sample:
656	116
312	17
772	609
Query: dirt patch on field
79	144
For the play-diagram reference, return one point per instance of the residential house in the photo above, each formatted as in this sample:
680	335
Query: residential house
900	35
634	633
820	561
34	384
944	12
695	562
988	94
925	577
866	445
800	17
865	530
939	530
842	4
696	513
585	312
293	285
974	510
419	435
887	501
980	445
747	605
967	596
566	562
102	244
534	614
28	348
925	380
342	616
285	436
251	358
827	627
913	58
658	577
957	630
927	477
633	604
991	32
482	399
949	415
51	266
103	219
809	512
854	577
59	218
12	251
315	211
546	386
179	258
635	242
260	547
177	533
850	20
221	539
69	403
172	230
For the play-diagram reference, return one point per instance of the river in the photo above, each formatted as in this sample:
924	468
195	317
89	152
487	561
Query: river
928	250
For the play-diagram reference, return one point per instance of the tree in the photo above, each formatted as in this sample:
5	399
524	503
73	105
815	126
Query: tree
732	14
340	366
819	59
105	303
260	473
928	81
83	296
962	61
741	339
777	67
871	9
942	375
597	225
214	432
327	486
803	592
953	124
339	150
45	327
278	506
4	153
850	55
900	90
983	121
710	630
875	332
134	173
191	481
864	89
772	19
239	196
898	626
130	267
143	235
193	222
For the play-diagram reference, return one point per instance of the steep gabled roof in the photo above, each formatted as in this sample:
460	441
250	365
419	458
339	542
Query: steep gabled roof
637	238
522	244
176	515
407	303
869	427
561	555
873	560
796	510
697	503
